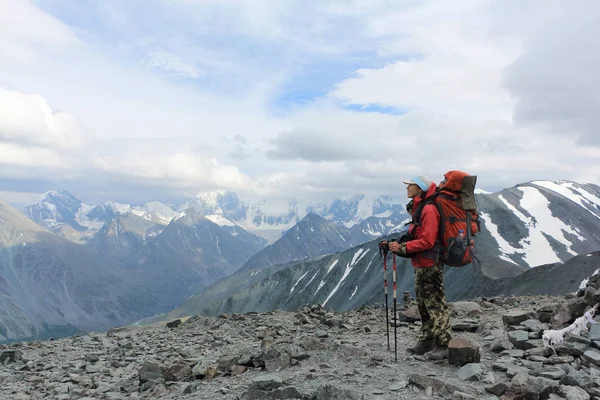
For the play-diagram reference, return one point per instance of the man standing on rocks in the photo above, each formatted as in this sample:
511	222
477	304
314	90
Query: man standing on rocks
423	250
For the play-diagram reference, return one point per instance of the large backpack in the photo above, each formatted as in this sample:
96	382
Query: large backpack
455	201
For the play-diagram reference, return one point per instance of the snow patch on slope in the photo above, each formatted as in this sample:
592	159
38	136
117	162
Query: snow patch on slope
333	264
298	281
503	245
584	282
539	207
538	250
82	218
353	293
579	196
320	286
220	220
360	253
311	279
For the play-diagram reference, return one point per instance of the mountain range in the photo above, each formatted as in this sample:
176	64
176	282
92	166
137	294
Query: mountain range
70	217
52	286
198	258
147	259
528	225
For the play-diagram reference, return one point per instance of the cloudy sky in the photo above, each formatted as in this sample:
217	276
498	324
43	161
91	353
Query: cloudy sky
139	100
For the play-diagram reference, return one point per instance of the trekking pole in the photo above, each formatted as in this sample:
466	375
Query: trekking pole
383	247
395	315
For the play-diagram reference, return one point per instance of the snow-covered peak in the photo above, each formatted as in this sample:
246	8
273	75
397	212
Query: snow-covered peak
220	220
210	198
481	191
578	193
365	208
59	193
118	207
156	211
354	209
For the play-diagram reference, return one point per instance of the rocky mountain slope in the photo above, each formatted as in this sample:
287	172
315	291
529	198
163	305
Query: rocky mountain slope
124	237
198	252
312	353
312	236
353	278
51	286
339	281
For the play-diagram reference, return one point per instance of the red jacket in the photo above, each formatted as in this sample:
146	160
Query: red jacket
426	233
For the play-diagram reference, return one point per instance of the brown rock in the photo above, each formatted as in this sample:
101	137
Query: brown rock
462	351
179	372
545	313
212	372
498	389
409	315
238	370
227	362
150	371
174	324
521	392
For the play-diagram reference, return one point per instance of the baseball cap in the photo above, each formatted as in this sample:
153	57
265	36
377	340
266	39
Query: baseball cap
420	181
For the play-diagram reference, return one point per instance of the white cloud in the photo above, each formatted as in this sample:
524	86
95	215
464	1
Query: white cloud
16	155
461	70
36	141
29	119
448	64
27	34
20	198
183	170
171	63
555	80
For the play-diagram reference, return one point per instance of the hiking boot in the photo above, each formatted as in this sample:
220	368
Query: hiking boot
422	347
437	353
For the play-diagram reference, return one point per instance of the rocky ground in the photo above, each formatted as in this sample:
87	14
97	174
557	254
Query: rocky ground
316	354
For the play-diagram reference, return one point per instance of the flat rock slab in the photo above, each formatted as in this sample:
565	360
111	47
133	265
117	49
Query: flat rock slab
592	356
466	308
439	387
515	317
472	372
519	339
534	325
594	333
577	378
465	327
574	348
267	382
513	353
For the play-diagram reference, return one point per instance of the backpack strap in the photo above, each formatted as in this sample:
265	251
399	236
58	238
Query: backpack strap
417	216
417	220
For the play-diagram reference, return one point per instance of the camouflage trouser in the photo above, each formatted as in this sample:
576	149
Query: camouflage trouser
435	315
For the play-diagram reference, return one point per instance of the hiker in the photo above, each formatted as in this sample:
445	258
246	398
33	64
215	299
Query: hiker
429	279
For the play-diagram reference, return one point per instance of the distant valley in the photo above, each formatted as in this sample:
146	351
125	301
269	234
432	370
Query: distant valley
150	258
